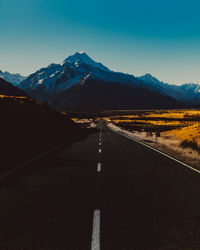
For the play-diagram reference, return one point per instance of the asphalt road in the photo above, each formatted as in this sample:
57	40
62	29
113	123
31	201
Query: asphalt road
105	194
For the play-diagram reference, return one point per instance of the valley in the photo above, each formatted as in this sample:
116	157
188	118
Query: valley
100	125
75	131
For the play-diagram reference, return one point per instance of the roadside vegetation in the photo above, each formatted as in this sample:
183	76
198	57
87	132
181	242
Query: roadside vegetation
183	125
175	132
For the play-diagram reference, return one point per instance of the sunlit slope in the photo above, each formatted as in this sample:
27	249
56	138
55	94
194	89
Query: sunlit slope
190	133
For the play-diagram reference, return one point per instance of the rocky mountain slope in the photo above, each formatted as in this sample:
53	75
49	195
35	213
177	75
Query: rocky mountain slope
61	85
15	79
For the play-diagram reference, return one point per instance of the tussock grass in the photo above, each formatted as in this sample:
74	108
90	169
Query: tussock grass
179	130
191	144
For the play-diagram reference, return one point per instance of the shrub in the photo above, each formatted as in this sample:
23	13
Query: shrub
190	144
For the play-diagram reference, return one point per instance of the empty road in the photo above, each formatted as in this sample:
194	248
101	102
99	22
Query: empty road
103	192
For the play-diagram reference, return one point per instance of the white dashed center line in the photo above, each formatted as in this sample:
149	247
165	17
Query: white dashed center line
95	245
96	231
99	167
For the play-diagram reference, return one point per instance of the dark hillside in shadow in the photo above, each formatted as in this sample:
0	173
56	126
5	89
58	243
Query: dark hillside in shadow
28	129
97	95
7	88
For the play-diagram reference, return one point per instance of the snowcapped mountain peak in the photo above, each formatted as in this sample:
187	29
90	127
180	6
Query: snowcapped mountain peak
80	58
77	57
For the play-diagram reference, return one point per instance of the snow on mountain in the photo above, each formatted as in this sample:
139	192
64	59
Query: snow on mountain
15	79
82	58
73	70
188	93
47	82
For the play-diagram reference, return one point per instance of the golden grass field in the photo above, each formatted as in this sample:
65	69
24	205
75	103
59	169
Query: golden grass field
14	97
182	124
190	133
179	131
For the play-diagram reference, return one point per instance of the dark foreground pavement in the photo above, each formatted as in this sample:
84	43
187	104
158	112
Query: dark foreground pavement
146	201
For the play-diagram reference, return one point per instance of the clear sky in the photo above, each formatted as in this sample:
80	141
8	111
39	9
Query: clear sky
161	37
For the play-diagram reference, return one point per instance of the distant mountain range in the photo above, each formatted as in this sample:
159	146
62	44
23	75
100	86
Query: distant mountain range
188	93
15	79
80	83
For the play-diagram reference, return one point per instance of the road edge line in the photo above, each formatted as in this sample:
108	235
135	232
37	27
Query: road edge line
158	151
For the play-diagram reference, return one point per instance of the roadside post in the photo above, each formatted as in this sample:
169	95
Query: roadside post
156	136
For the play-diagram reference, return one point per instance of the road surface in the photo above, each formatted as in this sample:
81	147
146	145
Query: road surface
103	192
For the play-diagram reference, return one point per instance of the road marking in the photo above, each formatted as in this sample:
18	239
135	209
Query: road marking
160	152
99	167
99	143
99	150
95	245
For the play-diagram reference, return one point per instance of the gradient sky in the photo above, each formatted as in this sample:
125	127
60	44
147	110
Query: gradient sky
131	36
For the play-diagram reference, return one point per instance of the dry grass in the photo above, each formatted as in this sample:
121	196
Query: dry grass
180	131
13	97
166	143
86	123
189	133
169	114
186	122
174	113
155	122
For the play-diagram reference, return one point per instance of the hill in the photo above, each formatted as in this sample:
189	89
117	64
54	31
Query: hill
7	88
28	129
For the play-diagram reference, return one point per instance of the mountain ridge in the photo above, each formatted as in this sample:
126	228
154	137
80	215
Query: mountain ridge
49	82
60	77
188	93
15	79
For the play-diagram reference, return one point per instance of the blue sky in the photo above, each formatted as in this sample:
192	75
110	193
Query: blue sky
131	36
